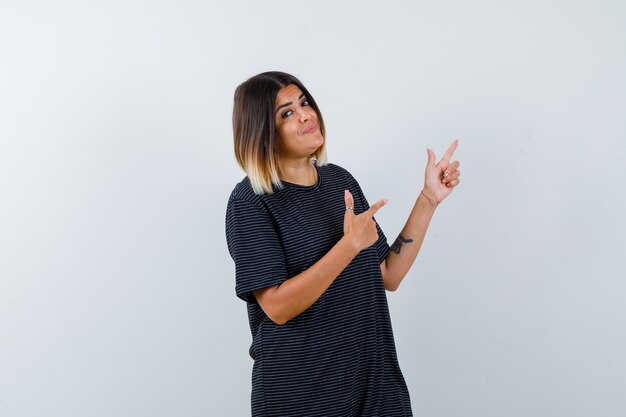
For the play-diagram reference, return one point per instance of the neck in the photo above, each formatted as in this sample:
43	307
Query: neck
300	171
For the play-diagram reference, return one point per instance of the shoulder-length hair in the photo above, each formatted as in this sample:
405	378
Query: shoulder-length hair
254	128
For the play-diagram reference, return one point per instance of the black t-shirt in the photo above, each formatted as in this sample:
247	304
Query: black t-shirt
338	357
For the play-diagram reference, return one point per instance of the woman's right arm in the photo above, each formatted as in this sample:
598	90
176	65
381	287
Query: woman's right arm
289	299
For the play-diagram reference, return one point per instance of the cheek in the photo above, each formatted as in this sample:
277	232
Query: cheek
288	131
287	135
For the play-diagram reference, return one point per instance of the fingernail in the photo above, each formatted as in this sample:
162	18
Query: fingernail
385	200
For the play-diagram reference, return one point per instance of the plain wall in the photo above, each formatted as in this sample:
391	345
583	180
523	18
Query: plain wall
116	162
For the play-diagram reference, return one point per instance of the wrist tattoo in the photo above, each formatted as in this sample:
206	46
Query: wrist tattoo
397	245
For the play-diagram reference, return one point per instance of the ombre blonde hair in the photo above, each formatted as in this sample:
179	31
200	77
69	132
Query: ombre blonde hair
254	128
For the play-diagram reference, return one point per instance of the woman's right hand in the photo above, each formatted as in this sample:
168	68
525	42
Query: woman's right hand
361	228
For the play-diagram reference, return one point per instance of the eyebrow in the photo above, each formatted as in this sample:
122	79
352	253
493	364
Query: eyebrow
289	103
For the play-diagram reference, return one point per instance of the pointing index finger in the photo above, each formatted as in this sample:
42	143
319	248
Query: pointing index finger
450	151
376	206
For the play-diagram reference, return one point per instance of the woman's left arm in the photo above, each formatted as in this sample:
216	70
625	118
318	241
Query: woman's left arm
440	180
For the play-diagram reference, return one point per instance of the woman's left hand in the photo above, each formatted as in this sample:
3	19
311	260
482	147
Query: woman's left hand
443	176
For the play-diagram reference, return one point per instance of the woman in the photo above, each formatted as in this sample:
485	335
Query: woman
312	264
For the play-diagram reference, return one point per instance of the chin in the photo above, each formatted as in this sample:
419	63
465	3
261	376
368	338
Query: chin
320	141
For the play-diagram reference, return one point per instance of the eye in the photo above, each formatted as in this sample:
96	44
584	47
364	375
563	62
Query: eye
287	113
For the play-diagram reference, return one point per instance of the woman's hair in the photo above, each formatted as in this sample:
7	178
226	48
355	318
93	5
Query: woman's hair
254	128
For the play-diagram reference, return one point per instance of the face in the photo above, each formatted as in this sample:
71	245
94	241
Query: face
296	124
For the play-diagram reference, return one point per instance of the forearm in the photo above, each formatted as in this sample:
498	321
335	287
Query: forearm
404	250
298	293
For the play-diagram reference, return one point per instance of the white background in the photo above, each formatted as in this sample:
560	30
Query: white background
116	162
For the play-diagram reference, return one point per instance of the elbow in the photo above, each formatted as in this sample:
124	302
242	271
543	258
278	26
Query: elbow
279	320
389	282
272	306
392	283
277	315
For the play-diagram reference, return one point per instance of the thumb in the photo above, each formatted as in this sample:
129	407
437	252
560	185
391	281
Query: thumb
349	214
431	157
349	200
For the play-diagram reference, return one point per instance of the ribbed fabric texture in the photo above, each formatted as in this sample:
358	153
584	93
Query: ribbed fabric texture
337	358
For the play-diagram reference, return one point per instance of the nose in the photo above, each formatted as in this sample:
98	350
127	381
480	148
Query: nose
304	114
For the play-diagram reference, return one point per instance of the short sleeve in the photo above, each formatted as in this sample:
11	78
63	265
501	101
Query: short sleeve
255	247
382	247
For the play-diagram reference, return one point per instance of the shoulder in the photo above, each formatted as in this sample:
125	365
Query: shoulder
337	171
243	191
243	196
334	169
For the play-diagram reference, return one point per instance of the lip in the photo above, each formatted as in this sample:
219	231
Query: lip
311	129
